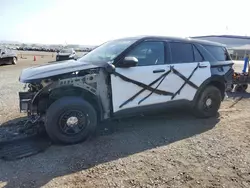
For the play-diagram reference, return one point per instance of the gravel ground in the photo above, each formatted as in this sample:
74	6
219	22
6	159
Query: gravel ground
173	150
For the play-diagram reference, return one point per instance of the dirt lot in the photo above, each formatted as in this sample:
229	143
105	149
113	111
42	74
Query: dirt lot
171	150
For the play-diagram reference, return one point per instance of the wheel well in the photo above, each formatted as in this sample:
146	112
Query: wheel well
218	84
8	58
221	86
44	101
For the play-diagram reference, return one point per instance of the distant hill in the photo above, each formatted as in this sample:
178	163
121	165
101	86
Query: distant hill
9	42
36	44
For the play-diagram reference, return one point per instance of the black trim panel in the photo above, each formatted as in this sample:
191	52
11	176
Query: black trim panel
222	65
152	108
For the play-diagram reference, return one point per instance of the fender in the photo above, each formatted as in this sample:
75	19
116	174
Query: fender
43	90
86	94
34	101
216	80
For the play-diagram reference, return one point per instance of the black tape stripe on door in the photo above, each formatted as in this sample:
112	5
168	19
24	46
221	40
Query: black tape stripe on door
146	88
184	78
155	90
163	78
186	81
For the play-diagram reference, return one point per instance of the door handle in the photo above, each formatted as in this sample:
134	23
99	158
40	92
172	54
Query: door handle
158	70
202	66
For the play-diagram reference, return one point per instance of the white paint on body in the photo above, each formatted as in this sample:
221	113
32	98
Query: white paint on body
122	90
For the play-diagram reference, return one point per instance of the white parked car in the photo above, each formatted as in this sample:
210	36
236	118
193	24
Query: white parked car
66	54
126	77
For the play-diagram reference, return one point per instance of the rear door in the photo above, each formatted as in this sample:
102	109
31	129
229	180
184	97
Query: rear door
189	70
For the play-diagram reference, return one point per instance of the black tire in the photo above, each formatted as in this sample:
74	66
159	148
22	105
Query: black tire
239	88
210	95
55	116
244	86
14	61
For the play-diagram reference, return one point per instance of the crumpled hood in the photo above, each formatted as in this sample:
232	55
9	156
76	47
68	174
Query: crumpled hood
48	70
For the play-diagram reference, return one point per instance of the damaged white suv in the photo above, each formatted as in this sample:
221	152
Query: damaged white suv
126	77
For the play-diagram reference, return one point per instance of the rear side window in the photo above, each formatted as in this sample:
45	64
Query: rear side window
181	52
184	53
218	52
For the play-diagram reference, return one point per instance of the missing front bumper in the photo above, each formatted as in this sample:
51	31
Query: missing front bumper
25	101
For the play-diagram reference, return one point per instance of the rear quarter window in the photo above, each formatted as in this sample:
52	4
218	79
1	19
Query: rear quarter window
220	53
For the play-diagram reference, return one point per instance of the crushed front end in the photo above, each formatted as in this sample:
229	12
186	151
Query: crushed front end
26	97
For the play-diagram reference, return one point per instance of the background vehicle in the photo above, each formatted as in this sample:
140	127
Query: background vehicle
7	56
126	77
66	54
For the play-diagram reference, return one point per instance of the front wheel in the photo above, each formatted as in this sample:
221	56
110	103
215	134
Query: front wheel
70	120
14	61
208	102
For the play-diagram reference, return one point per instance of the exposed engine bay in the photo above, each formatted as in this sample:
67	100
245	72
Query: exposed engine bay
91	84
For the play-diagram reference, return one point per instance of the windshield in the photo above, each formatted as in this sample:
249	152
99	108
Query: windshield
65	51
107	51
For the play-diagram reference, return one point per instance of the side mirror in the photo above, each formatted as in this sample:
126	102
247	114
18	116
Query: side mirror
129	62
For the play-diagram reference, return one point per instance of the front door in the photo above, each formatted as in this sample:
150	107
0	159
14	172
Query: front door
145	84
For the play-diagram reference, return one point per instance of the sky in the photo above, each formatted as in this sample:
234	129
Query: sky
92	22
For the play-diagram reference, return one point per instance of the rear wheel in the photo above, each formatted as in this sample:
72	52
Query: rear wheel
70	120
208	102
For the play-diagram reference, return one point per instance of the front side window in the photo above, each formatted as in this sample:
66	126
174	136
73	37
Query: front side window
107	51
66	51
148	53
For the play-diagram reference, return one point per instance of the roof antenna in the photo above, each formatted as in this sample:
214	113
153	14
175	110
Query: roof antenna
65	44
